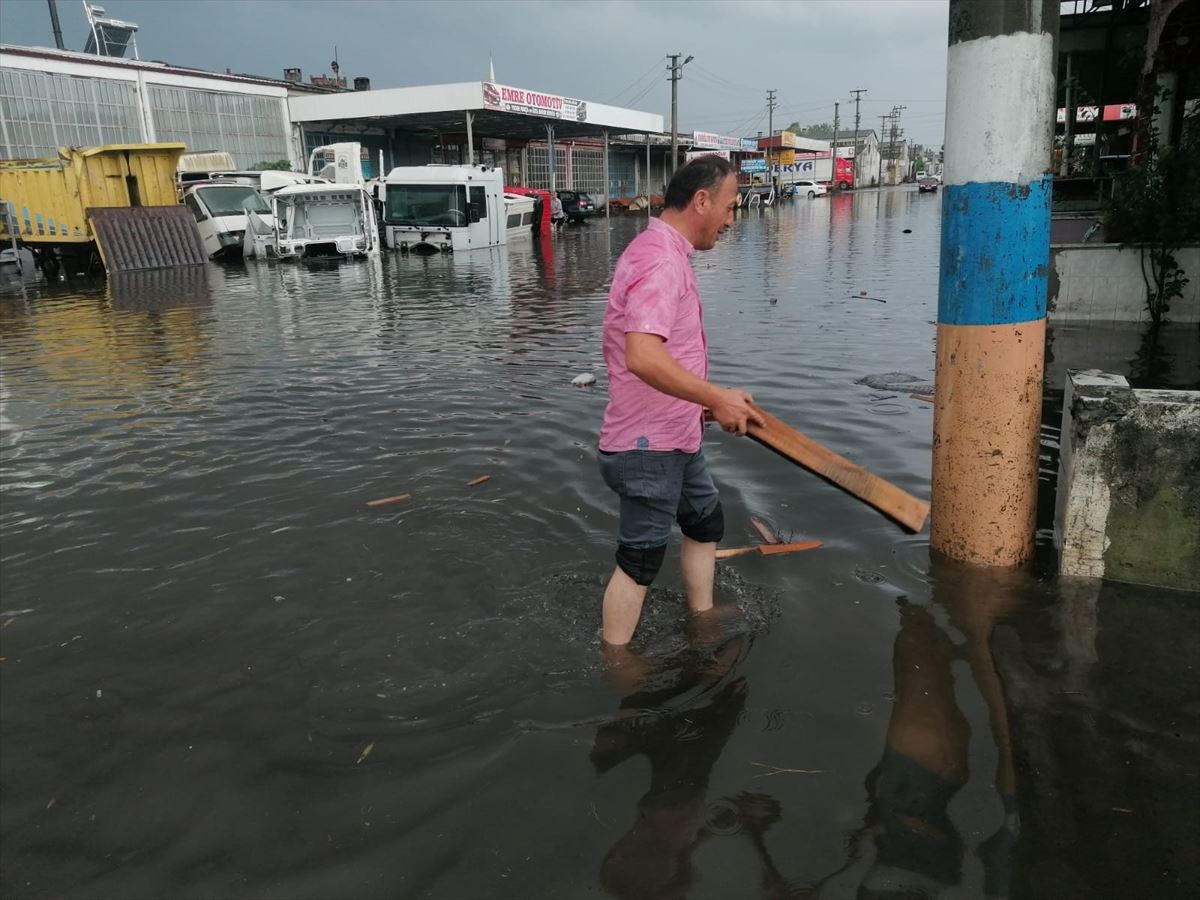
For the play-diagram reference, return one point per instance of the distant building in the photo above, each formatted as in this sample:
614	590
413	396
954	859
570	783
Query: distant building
864	148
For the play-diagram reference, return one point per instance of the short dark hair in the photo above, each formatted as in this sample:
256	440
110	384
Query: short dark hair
704	173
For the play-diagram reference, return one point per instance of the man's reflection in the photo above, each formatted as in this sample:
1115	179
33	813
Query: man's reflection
680	720
919	851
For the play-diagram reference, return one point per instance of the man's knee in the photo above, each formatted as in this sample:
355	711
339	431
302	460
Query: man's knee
641	563
707	529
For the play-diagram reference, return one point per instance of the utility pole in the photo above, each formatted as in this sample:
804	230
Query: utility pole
882	131
833	148
771	104
995	252
857	92
676	70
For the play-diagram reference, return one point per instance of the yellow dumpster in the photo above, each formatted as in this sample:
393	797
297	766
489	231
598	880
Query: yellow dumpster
48	199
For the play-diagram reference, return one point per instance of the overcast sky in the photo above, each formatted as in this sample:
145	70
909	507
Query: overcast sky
812	52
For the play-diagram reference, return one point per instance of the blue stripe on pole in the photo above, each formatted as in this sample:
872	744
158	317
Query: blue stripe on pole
995	253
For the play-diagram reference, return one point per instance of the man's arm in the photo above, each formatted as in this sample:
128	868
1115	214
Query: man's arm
648	359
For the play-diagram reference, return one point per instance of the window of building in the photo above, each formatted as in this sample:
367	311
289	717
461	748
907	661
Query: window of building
248	127
43	112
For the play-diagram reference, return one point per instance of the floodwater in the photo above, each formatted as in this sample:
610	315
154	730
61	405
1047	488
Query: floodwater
224	674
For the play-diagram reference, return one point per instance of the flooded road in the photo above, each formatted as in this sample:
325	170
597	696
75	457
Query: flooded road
225	675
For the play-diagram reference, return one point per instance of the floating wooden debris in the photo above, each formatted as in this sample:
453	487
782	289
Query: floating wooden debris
780	770
383	501
862	295
60	353
480	480
768	549
765	531
928	398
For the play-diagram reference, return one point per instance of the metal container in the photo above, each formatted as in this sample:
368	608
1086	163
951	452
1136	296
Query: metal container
51	197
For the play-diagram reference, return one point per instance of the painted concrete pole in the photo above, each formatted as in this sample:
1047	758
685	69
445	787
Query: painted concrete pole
1000	105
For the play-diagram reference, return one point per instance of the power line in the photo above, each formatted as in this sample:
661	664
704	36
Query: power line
748	124
732	84
651	86
633	85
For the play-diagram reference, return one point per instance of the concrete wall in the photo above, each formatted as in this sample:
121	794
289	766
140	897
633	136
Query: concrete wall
1128	504
1100	283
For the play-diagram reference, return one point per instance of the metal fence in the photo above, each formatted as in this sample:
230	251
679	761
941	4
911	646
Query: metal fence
587	171
538	175
42	112
249	128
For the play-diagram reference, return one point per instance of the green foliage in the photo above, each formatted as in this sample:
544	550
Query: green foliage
280	165
820	132
1156	205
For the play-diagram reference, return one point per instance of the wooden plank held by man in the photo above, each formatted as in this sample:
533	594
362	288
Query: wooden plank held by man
894	502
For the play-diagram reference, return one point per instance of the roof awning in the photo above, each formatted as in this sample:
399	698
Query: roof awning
497	111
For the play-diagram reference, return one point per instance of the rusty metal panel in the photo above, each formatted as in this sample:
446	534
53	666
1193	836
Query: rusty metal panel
146	237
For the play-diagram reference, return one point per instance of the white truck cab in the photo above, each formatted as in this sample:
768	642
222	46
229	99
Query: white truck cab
444	209
220	211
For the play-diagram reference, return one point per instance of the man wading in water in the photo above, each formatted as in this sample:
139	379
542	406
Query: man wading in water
657	358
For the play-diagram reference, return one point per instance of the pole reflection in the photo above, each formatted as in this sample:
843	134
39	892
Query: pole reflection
910	844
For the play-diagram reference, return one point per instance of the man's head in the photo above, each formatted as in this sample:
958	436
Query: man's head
700	200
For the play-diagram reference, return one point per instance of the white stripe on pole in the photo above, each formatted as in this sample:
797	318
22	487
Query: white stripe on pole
1000	109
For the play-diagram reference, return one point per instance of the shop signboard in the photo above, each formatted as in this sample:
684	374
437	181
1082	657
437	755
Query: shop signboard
704	140
694	154
749	145
503	98
754	165
1082	114
1120	112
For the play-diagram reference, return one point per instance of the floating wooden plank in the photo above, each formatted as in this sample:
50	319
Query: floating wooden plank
480	480
383	501
928	398
765	531
886	497
60	353
146	237
768	549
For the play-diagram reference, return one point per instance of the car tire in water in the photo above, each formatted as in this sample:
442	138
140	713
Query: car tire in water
812	194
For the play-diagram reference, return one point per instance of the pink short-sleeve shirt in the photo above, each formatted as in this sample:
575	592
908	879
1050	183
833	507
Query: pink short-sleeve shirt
654	291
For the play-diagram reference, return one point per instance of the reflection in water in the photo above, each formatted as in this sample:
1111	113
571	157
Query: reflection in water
159	289
258	653
680	719
918	849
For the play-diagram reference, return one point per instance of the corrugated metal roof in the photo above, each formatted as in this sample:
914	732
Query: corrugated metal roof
146	237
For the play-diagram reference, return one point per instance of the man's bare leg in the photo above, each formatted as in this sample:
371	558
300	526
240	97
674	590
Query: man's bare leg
623	600
698	562
624	669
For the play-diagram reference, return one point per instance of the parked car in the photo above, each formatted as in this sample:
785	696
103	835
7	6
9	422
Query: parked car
811	188
927	184
577	205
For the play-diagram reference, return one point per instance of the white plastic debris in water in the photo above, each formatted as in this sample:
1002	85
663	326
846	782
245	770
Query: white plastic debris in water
583	380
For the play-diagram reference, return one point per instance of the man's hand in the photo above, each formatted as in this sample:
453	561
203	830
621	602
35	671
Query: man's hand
733	412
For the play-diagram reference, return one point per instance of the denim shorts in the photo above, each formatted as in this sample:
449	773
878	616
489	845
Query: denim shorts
657	489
